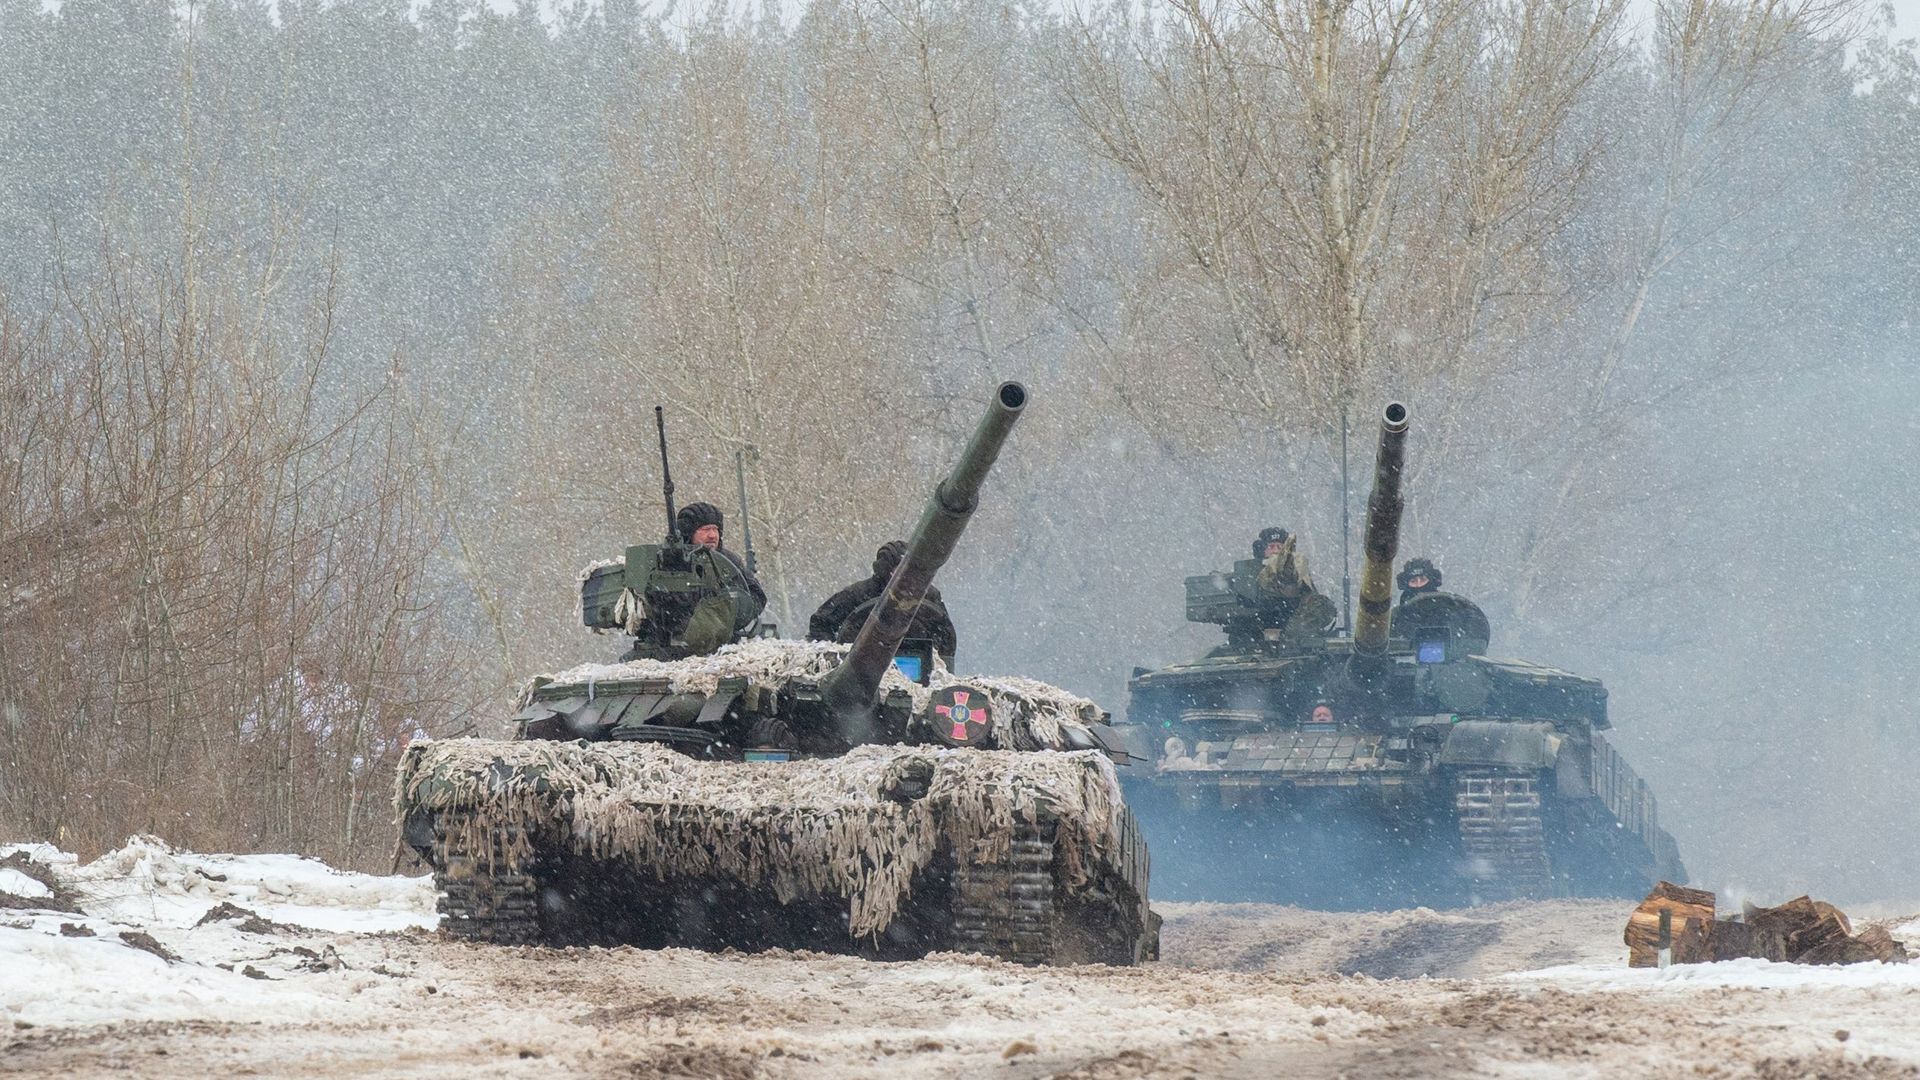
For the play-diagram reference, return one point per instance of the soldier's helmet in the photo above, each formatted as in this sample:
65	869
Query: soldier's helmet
694	515
888	557
1268	535
1422	569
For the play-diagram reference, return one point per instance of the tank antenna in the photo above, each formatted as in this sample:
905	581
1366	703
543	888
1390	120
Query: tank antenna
1346	532
746	522
666	475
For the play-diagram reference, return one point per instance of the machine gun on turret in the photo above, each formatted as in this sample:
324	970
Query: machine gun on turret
676	598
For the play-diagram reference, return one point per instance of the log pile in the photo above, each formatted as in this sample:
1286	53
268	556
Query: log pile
1801	931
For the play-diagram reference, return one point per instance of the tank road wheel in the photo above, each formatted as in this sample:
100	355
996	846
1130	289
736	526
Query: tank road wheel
1005	908
1502	834
483	895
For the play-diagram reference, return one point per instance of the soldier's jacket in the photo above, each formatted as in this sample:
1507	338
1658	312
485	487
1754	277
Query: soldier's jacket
826	620
1283	574
753	587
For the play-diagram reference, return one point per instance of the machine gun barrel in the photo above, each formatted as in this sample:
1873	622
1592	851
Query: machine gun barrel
852	689
1382	537
746	519
666	476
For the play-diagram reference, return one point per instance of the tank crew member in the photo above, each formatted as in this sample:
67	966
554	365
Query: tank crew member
702	524
1417	576
827	621
1321	714
1283	580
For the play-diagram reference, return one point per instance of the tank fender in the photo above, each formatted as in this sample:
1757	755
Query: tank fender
1502	743
1136	741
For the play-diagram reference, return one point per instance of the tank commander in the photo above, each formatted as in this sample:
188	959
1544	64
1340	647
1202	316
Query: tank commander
1417	576
703	525
832	617
1283	580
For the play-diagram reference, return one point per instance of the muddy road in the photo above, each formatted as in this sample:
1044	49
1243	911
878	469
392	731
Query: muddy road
1533	990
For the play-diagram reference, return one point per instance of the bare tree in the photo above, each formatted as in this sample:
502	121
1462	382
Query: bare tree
213	619
1720	70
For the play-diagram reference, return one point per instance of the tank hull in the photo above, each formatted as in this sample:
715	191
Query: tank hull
891	853
1373	832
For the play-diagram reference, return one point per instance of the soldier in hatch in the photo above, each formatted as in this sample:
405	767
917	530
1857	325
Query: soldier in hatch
1283	580
715	621
835	620
1417	576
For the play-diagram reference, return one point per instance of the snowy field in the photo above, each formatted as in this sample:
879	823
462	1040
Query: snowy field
167	963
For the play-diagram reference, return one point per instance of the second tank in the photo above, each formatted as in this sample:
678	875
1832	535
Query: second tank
1397	765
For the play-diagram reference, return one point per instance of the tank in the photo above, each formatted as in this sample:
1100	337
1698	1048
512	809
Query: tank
1397	765
786	794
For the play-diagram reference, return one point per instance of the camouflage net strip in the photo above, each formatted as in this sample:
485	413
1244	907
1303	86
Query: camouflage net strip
1030	715
801	828
1040	713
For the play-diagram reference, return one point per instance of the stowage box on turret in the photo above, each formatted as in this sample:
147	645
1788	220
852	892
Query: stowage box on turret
791	794
1396	766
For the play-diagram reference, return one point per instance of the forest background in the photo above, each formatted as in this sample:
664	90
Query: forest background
329	336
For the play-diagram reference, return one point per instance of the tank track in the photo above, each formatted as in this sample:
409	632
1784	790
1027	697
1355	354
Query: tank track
484	896
1005	908
1503	834
1014	909
1011	908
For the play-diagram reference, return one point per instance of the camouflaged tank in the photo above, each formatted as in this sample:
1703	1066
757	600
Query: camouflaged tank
1398	766
855	798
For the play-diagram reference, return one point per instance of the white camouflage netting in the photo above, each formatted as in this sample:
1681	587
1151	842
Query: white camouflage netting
1029	714
803	828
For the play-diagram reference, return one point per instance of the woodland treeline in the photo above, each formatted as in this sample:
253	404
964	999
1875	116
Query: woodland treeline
329	337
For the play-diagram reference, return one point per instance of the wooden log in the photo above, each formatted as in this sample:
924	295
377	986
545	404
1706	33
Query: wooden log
1803	924
1885	948
1733	940
1870	945
1825	909
1786	918
1802	930
1690	921
1822	932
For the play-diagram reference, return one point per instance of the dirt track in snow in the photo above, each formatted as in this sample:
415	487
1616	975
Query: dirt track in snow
1245	991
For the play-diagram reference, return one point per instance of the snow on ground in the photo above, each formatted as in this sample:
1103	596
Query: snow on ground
15	883
147	882
341	975
105	964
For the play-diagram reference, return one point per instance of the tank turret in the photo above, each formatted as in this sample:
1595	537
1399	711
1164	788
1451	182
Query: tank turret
852	690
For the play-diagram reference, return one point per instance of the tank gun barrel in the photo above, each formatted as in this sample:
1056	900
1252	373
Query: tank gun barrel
1382	538
851	690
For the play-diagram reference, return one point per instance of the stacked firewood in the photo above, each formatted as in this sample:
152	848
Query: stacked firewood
1681	922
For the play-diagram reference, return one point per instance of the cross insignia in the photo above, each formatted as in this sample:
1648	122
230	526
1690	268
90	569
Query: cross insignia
966	721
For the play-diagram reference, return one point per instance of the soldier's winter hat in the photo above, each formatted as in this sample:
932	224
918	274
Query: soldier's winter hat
888	557
1267	536
1413	568
694	515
